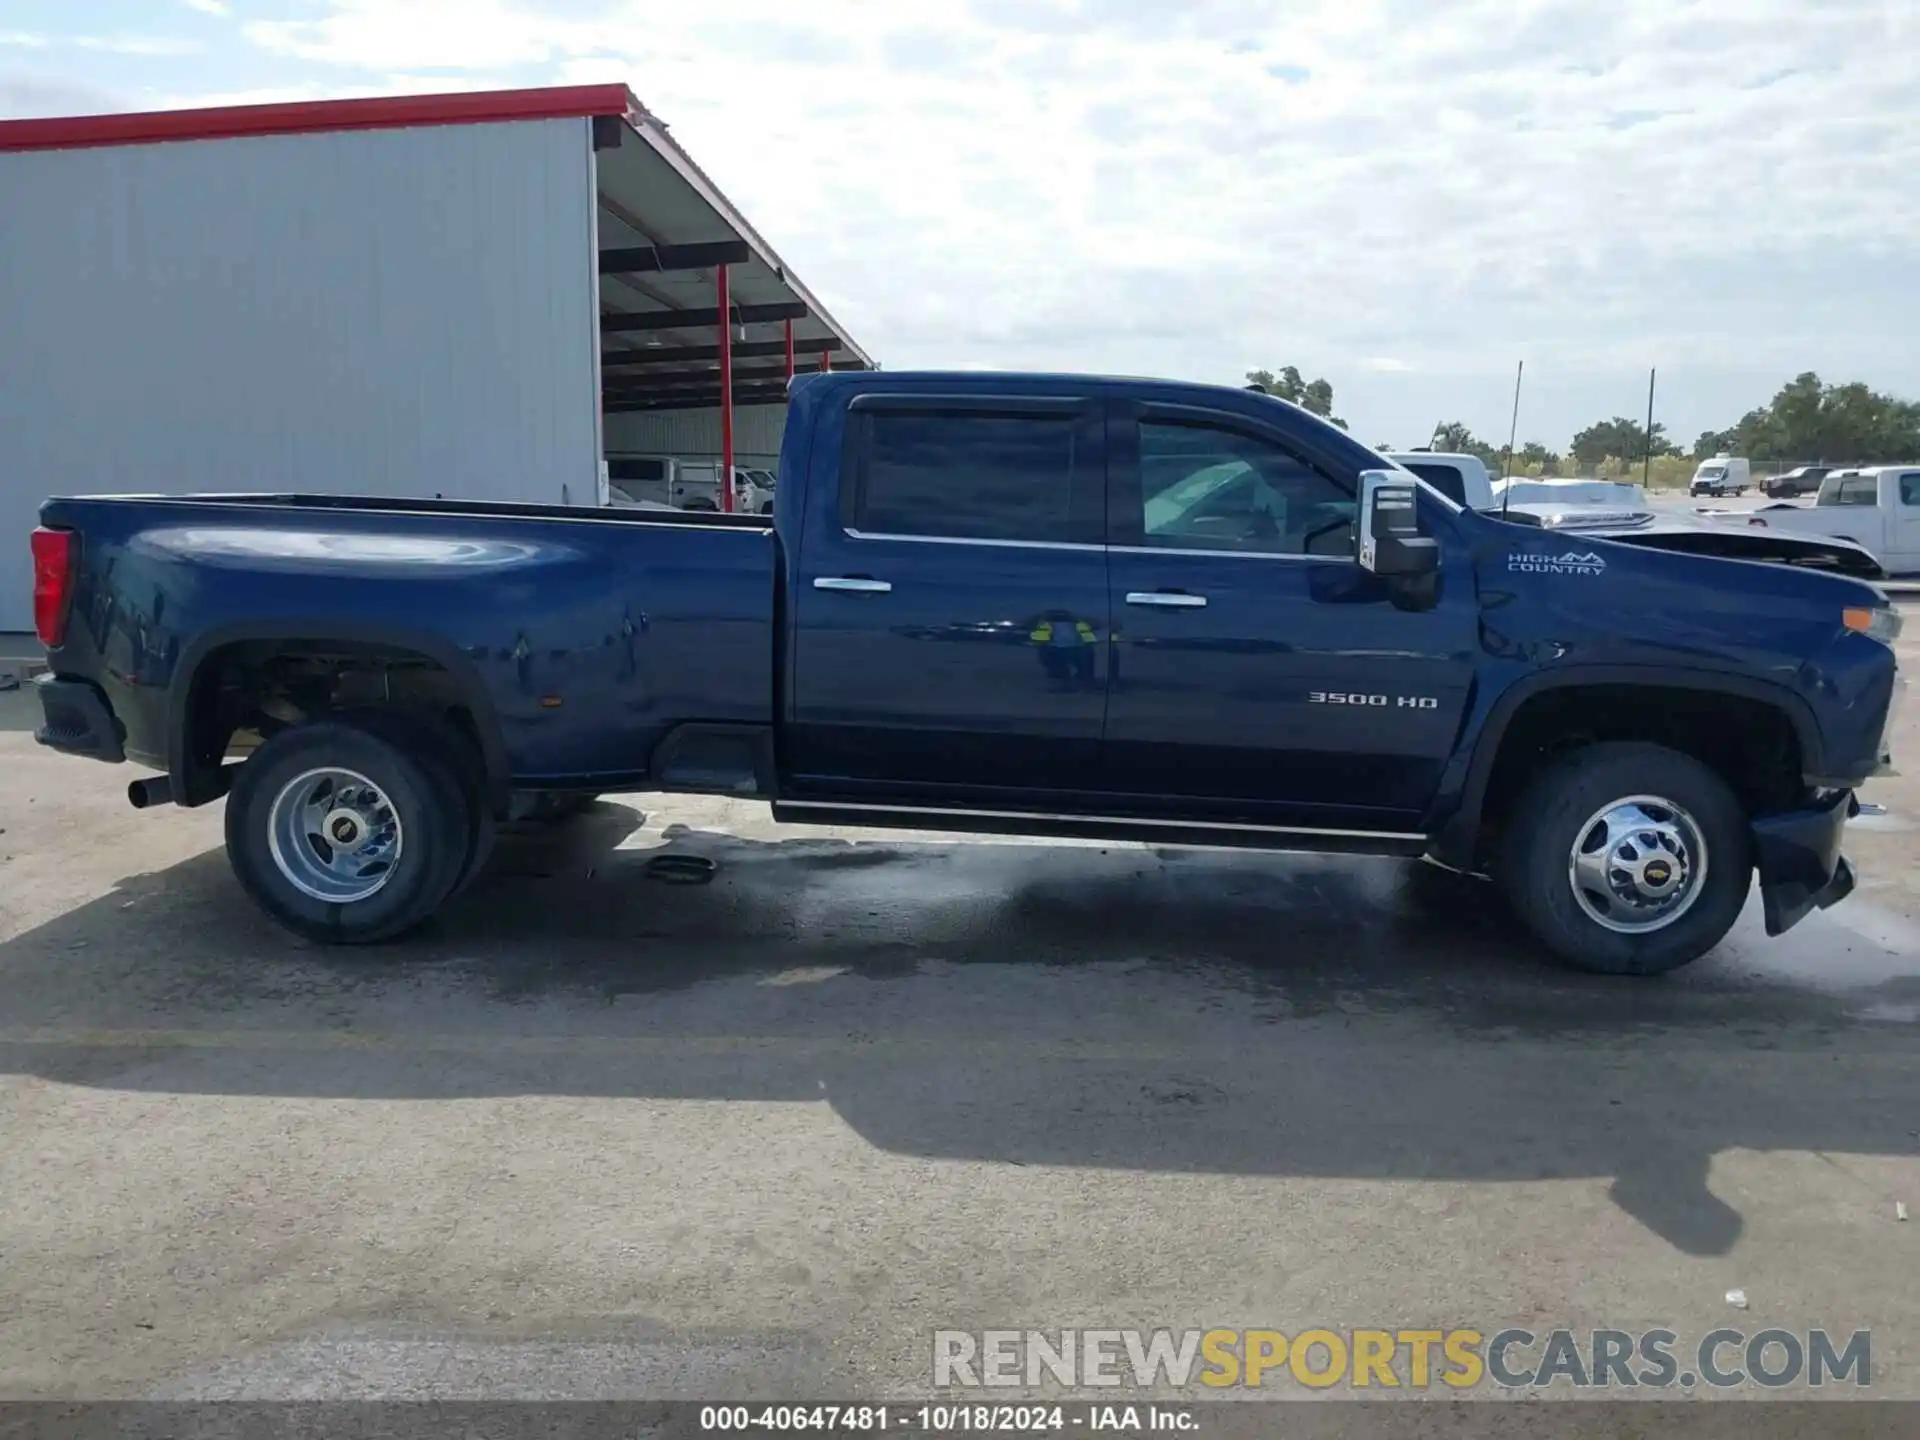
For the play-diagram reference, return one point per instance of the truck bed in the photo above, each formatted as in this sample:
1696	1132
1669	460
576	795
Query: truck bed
590	632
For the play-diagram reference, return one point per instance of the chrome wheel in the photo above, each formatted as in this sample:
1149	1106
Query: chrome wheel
334	835
1637	865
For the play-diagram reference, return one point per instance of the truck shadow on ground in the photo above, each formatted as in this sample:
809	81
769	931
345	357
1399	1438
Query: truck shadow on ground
1168	1011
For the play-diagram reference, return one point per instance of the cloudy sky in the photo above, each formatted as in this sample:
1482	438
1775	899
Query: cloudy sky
1405	196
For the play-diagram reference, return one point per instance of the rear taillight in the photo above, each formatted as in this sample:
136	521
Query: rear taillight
53	556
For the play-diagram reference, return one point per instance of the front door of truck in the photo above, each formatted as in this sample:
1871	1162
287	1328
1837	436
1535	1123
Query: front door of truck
950	635
1259	672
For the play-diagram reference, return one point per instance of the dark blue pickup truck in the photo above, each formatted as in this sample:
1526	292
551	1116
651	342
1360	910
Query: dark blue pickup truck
1037	605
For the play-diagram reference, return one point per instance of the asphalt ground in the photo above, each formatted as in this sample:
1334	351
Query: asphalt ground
600	1135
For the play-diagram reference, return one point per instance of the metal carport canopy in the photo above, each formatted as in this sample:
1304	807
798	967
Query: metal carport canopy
673	251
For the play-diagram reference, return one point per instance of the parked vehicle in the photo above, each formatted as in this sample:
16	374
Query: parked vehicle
1037	605
1877	506
1801	480
1617	510
1463	479
1616	494
642	479
1722	475
635	480
699	489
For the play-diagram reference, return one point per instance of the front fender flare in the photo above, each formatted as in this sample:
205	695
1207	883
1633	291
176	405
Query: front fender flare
1458	834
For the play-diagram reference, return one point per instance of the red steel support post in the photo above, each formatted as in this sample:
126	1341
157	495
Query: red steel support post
826	361
789	351
726	388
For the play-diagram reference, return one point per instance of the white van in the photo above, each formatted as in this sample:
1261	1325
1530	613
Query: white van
1722	475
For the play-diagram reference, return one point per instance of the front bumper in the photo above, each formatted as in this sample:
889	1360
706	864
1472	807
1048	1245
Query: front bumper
1799	860
78	721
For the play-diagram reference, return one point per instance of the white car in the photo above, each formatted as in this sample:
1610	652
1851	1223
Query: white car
1877	507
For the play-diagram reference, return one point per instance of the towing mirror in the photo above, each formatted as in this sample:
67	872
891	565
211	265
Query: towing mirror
1390	540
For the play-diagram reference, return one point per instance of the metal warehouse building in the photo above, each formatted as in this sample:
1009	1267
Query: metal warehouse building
478	296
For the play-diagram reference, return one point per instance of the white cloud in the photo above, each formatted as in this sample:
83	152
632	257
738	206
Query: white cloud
209	7
1723	187
154	45
24	39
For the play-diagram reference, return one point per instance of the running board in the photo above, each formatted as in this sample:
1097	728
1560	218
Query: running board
1187	834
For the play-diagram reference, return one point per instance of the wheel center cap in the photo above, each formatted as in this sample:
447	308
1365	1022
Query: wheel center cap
344	829
1658	876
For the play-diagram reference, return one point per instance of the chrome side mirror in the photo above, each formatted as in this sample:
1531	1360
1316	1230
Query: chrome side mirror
1390	540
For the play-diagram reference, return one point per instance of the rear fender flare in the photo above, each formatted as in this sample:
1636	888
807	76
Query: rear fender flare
196	790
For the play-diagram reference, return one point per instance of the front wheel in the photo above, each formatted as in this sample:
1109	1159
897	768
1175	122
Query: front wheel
1627	859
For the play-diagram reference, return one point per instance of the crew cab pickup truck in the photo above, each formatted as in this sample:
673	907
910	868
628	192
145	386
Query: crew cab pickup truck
1035	605
1877	507
1801	480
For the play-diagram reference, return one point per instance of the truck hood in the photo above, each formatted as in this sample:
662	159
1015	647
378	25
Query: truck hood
1685	535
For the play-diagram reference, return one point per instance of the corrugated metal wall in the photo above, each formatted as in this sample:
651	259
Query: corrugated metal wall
383	311
695	434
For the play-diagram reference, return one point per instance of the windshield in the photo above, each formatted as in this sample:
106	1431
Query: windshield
1711	472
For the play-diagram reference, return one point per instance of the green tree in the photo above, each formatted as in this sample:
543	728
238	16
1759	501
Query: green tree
1619	439
1808	419
1712	443
1453	438
1534	453
1313	396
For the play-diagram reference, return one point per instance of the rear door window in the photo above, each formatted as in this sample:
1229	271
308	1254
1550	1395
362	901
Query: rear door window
977	474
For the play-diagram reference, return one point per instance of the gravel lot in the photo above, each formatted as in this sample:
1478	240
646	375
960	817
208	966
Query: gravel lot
599	1135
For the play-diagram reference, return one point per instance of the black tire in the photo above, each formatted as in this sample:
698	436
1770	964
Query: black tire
1534	860
437	742
425	795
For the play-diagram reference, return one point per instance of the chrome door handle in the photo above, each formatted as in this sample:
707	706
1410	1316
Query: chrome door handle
1168	599
853	584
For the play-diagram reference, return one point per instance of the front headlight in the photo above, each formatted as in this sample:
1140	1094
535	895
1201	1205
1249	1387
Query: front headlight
1876	622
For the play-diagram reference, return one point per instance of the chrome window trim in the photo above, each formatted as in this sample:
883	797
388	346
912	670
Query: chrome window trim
853	534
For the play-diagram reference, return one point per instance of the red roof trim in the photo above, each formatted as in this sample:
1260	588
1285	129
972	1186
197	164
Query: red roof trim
386	112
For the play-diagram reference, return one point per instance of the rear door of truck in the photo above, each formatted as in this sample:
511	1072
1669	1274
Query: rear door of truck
950	635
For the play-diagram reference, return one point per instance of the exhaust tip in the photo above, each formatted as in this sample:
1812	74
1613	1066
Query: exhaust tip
155	790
